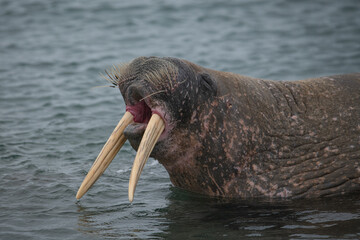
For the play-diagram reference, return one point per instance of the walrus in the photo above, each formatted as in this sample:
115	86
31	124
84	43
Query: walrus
226	135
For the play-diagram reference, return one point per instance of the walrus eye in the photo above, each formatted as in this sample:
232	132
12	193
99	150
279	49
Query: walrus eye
207	84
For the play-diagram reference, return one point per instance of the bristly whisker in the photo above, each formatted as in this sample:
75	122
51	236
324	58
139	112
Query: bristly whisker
130	78
152	94
115	75
104	86
111	79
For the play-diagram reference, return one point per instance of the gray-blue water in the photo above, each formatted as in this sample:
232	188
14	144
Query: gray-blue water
53	123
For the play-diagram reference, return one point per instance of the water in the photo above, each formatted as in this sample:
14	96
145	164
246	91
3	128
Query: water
53	123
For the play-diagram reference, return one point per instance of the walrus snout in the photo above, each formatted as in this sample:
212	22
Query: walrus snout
134	94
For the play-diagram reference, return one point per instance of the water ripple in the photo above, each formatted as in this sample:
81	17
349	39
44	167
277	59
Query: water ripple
53	123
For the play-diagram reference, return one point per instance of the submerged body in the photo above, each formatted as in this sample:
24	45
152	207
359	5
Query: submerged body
234	136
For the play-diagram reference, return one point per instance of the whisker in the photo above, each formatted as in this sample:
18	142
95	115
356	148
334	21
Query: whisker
115	74
130	78
152	94
179	83
110	79
103	86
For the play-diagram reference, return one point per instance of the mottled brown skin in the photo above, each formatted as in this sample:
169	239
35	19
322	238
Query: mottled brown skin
234	136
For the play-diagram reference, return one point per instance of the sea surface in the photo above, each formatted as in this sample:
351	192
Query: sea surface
54	119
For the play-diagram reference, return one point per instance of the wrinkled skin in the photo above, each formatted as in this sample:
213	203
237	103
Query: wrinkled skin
234	136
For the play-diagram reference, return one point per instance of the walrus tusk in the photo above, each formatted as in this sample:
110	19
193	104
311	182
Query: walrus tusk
152	133
107	154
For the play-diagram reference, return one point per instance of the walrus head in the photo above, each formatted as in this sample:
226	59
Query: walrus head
161	96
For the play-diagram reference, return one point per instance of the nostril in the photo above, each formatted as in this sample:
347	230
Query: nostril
133	95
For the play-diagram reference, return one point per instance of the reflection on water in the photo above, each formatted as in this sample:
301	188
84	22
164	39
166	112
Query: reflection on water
116	222
190	216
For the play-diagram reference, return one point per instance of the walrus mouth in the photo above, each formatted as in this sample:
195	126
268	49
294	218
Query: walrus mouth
140	113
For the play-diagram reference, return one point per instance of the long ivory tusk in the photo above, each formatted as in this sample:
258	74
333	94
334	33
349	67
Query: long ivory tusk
107	154
152	133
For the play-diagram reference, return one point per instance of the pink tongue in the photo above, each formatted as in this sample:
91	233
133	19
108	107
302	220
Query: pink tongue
140	111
